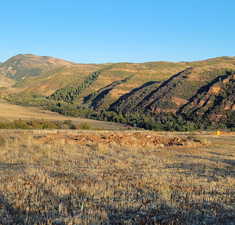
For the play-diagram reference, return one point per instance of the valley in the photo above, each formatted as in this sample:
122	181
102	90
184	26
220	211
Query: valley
11	112
193	95
117	143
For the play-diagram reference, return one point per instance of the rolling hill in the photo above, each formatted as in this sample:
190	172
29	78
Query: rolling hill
22	66
6	82
187	89
42	75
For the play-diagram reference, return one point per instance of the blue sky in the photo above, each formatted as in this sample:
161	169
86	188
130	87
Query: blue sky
96	31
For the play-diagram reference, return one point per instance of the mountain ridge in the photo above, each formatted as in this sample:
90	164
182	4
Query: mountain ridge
123	88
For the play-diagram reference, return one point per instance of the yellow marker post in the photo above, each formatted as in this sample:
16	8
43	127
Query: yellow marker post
218	133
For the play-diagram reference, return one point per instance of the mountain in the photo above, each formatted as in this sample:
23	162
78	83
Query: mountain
6	82
171	94
202	89
42	74
119	79
213	100
127	88
25	65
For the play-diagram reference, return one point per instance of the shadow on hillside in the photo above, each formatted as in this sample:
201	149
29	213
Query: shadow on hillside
134	91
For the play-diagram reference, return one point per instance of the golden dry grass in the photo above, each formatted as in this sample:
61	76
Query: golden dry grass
13	112
6	82
100	182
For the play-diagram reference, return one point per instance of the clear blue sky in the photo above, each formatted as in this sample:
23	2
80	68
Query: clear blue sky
118	30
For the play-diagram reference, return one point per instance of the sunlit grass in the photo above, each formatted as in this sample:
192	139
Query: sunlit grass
47	179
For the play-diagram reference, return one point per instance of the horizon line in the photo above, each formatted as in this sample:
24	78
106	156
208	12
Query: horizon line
124	61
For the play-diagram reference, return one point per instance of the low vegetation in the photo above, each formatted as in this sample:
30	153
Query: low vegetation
39	124
9	113
59	169
152	121
70	94
159	95
58	177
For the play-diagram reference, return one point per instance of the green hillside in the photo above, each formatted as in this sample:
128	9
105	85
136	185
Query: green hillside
160	91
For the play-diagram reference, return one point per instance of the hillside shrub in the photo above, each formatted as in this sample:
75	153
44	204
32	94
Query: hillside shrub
2	141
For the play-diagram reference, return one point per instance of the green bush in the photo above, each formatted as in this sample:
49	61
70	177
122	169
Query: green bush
37	124
84	126
2	141
69	94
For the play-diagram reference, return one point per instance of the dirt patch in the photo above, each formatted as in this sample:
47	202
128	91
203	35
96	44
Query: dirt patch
142	139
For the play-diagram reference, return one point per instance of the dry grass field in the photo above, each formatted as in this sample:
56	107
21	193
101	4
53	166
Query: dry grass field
9	112
114	177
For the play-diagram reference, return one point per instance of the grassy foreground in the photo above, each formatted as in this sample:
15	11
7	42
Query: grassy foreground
89	177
